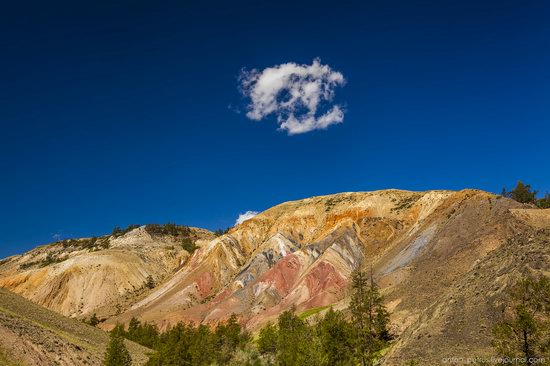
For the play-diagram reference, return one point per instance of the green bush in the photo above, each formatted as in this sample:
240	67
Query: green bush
544	202
117	231
220	232
93	321
521	193
50	259
149	282
188	245
168	229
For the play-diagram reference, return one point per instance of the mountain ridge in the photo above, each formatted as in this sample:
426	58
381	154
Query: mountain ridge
423	249
77	277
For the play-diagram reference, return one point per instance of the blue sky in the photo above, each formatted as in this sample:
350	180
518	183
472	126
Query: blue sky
114	113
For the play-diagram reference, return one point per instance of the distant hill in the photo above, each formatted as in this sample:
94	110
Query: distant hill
79	277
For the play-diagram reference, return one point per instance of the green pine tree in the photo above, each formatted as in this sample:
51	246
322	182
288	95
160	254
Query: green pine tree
297	343
117	354
525	330
370	318
229	336
202	347
290	341
521	193
267	341
119	331
336	336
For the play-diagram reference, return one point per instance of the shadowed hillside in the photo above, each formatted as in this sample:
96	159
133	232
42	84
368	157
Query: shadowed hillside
33	335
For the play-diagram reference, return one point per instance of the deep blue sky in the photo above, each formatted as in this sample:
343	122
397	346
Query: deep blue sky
115	113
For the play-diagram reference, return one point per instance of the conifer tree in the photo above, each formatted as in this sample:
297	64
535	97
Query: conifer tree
297	343
229	336
525	330
267	340
544	202
117	354
521	193
369	318
336	337
145	334
119	330
202	349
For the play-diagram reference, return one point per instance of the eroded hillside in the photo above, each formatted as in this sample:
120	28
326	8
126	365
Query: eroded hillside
457	321
103	275
302	253
443	259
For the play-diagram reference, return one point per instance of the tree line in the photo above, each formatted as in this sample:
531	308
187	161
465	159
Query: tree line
360	335
524	193
355	337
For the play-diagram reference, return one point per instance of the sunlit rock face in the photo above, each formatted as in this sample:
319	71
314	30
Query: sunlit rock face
443	260
301	254
83	276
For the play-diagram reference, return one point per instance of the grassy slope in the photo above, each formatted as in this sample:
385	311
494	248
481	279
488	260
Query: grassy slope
313	311
6	359
90	339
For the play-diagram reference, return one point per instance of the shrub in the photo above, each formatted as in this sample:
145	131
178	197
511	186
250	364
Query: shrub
188	245
117	231
50	259
93	320
521	193
168	229
544	202
149	282
220	232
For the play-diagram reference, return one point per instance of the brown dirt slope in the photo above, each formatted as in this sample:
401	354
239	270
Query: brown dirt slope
33	335
458	319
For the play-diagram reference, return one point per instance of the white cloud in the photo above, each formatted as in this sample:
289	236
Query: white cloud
294	94
245	216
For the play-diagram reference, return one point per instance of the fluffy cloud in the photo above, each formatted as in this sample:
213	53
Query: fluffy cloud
58	235
295	94
245	216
